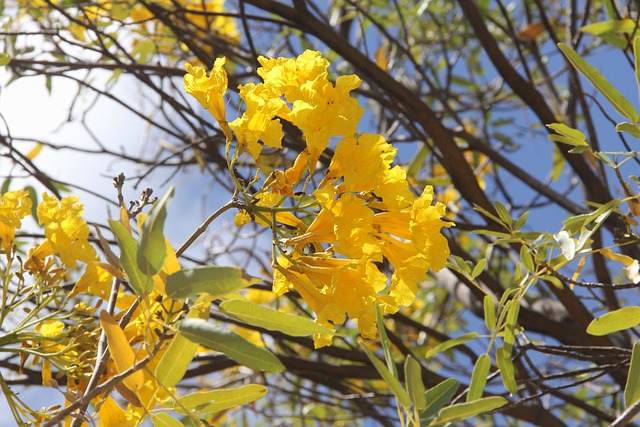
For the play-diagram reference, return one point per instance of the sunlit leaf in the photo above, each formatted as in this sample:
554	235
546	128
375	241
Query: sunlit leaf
489	312
614	321
462	411
439	396
233	345
629	128
507	370
617	100
626	26
273	320
451	343
176	360
5	58
152	249
479	377
213	280
140	282
632	388
218	400
415	385
163	419
396	388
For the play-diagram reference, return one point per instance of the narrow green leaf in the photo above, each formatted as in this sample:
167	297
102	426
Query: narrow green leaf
626	26
632	388
152	249
415	386
489	312
629	128
5	58
614	321
527	259
510	325
507	370
139	281
396	388
479	268
175	360
6	184
233	345
439	396
616	99
451	343
273	320
33	195
206	402
479	377
213	280
462	411
503	213
386	344
567	135
163	419
486	213
416	164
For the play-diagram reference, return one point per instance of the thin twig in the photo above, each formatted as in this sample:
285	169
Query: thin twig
230	205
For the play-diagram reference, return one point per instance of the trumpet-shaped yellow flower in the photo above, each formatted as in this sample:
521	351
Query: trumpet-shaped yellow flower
208	90
14	206
66	230
258	122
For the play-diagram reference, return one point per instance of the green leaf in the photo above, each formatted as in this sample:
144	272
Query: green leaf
626	26
462	411
451	343
396	388
175	360
632	388
140	282
415	386
527	259
567	135
477	270
418	161
614	97
214	280
218	400
629	128
479	377
33	195
386	344
5	58
439	396
163	419
233	345
503	213
510	325
489	312
273	320
614	321
507	370
152	249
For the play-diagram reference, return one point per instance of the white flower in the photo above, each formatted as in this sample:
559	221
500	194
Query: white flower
633	271
567	244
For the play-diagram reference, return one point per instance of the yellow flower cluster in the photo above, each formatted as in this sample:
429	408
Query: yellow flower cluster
365	212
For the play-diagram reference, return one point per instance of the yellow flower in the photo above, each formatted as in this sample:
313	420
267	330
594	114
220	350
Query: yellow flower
112	415
66	230
325	111
258	122
208	90
14	206
94	281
